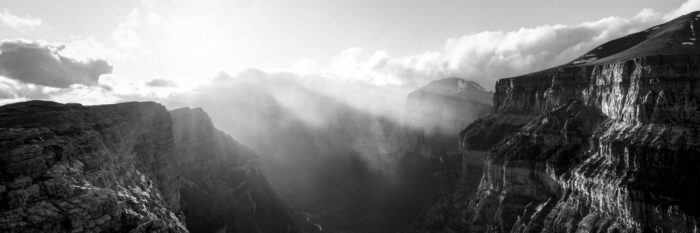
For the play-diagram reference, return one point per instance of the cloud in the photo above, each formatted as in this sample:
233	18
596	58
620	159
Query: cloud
85	48
43	64
484	57
685	8
17	22
159	82
125	35
488	56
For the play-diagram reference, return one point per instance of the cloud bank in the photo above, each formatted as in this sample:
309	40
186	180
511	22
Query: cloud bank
43	64
484	57
491	55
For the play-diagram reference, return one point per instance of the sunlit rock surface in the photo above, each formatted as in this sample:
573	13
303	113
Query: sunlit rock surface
606	143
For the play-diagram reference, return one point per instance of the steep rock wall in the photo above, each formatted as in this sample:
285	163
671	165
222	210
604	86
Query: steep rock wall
131	167
224	190
71	168
612	147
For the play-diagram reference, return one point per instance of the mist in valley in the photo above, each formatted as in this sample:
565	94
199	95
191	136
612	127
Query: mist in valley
343	153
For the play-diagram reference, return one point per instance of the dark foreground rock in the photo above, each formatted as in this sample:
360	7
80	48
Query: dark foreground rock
70	168
606	143
122	168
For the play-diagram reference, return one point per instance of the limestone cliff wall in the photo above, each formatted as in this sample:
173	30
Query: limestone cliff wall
607	147
74	168
131	167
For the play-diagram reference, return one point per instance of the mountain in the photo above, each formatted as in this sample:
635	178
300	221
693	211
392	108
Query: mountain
347	169
223	188
129	167
605	143
447	105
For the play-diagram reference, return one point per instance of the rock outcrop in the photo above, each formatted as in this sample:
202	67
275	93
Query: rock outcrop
128	167
71	168
223	188
606	143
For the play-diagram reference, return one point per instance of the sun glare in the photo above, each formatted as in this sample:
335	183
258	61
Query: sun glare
194	40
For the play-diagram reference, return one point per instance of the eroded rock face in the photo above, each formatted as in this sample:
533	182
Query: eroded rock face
71	168
223	188
607	143
128	167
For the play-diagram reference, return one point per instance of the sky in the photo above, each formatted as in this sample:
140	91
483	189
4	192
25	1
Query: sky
99	51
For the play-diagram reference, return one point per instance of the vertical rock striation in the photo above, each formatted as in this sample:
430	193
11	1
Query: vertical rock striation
606	143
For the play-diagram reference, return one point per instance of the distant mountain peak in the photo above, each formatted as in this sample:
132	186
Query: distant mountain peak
448	104
451	85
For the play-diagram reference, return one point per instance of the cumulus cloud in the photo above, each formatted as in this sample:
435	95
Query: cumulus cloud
686	7
491	55
44	64
17	22
484	57
159	82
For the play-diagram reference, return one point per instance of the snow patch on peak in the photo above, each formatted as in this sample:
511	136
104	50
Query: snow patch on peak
588	57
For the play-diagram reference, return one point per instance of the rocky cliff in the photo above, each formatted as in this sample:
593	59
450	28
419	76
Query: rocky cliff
223	188
606	143
70	168
128	167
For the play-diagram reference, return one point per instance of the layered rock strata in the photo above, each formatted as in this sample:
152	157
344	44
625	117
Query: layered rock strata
606	143
131	167
70	168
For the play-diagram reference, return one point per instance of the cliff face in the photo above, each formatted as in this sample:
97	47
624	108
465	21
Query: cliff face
223	187
607	143
130	167
73	168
